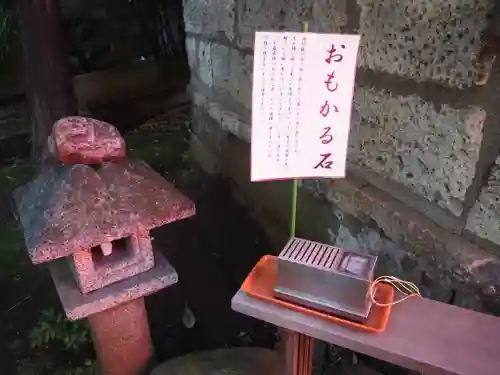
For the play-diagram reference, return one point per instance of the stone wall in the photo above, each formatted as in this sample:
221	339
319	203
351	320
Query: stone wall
423	184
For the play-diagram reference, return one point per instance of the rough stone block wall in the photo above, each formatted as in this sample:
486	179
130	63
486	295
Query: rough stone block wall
423	40
433	151
423	184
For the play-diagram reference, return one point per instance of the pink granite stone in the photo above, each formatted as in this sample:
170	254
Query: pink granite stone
82	140
128	256
78	305
156	202
74	207
122	339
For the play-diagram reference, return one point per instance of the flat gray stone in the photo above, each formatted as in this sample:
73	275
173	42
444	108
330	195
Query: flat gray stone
423	39
228	120
327	16
431	150
192	53
241	77
234	361
210	17
484	218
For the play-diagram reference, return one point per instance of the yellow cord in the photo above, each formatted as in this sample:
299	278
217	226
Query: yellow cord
406	288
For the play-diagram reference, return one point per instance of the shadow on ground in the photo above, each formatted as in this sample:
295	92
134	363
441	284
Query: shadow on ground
212	253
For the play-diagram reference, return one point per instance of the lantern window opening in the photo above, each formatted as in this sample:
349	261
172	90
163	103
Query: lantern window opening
121	249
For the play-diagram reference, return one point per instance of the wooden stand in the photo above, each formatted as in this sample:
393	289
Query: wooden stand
422	335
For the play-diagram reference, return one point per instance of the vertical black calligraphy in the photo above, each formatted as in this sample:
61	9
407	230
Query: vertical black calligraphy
262	95
272	115
293	50
298	101
281	105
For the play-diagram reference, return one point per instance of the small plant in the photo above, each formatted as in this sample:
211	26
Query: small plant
6	27
53	326
186	157
88	368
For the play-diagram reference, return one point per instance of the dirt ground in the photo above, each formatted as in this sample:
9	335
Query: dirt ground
212	253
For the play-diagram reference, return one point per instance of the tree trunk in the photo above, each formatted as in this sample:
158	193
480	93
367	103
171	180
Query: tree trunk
47	79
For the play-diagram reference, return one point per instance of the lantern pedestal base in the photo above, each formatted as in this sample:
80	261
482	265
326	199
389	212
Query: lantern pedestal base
78	305
122	339
117	315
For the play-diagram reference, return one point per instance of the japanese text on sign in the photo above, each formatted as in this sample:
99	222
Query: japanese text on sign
302	98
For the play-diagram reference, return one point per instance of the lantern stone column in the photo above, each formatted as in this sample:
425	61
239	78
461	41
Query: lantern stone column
126	324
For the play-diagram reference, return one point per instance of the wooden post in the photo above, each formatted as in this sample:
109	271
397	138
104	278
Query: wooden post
296	351
47	79
296	348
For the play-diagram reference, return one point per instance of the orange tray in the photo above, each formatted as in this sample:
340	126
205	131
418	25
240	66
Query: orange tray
261	281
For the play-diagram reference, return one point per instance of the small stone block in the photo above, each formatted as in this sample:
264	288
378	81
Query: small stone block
83	140
95	268
78	305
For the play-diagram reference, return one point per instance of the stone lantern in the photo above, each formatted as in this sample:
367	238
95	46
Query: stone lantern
88	214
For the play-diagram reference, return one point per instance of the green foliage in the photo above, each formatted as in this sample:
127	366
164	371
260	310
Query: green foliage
14	175
30	366
88	368
12	248
6	27
97	32
186	157
54	326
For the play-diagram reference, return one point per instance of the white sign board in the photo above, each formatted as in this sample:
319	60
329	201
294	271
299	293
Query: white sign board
302	97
